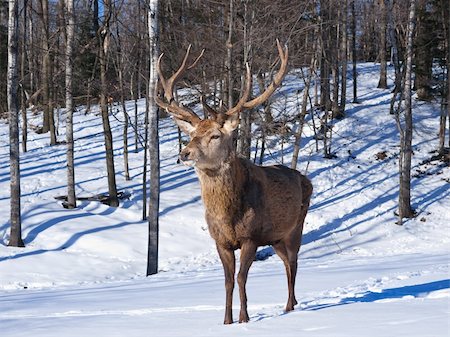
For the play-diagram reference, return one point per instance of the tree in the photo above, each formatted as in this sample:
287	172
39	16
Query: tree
3	55
383	54
424	43
404	198
120	65
22	77
13	108
48	120
354	70
153	210
104	41
70	27
445	103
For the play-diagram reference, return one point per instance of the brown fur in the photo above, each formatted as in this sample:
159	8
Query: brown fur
247	206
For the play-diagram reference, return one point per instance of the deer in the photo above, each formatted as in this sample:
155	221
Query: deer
246	205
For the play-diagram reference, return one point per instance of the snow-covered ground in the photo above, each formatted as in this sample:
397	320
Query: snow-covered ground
82	272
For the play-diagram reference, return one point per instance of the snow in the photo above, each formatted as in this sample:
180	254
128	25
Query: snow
82	272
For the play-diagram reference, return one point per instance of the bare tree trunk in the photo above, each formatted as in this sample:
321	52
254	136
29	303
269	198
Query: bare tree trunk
302	115
445	105
228	60
121	70
15	238
325	71
335	60
404	202
45	67
383	55
153	212
354	70
135	97
52	95
104	39
394	47
30	43
48	123
70	28
424	51
245	137
22	75
145	160
344	59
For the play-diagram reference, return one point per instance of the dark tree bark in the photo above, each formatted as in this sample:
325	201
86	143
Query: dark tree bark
48	120
121	70
15	238
229	59
325	71
445	105
423	58
302	115
245	136
344	58
354	70
22	76
104	40
383	54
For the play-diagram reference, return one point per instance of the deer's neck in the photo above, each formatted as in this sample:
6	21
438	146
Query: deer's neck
222	188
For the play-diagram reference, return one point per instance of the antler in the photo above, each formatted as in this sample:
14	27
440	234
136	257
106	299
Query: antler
276	81
243	103
183	113
239	105
170	105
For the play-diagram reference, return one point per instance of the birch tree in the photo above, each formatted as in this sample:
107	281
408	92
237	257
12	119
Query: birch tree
13	108
70	26
153	210
405	129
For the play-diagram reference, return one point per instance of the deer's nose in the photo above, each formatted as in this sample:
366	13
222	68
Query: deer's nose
184	155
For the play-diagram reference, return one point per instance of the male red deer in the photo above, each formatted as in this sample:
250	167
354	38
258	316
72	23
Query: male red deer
246	205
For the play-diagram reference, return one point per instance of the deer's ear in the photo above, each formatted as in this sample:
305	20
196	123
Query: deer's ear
185	126
231	123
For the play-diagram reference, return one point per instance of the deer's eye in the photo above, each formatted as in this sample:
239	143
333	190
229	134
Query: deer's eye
215	136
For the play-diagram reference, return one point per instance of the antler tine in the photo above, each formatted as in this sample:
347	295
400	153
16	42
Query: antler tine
276	81
213	113
196	60
170	105
248	86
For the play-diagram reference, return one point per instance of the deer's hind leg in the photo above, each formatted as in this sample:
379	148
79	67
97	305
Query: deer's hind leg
288	252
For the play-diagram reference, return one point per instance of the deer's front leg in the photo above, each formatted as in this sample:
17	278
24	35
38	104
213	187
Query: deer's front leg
228	262
248	251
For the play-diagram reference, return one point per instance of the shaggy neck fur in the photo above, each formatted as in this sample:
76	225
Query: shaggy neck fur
222	188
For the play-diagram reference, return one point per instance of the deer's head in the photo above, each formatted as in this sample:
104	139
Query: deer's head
211	139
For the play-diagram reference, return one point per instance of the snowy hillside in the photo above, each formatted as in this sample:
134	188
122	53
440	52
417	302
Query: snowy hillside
82	272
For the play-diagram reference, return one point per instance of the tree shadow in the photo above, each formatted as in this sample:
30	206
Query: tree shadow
415	291
69	242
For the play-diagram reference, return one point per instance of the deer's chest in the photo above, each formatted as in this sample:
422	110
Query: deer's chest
232	225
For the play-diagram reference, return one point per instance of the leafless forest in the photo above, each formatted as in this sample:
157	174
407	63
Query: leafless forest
62	54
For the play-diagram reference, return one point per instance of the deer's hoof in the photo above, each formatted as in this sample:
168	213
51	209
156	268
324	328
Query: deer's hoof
228	320
289	308
243	318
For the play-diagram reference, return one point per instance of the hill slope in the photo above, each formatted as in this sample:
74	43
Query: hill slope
82	271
